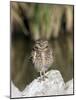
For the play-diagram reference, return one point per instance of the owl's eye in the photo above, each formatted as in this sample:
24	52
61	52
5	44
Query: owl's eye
35	48
47	46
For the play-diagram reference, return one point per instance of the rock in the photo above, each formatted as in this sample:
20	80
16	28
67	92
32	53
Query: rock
15	91
53	85
69	87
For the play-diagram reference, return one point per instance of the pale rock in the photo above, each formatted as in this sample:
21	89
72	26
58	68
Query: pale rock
53	85
15	91
69	87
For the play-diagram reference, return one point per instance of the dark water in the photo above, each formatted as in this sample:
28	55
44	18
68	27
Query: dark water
23	72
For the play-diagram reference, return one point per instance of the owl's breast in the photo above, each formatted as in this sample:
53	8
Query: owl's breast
43	60
38	61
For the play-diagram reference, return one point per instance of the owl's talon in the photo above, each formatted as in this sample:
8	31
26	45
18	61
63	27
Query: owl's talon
45	76
42	78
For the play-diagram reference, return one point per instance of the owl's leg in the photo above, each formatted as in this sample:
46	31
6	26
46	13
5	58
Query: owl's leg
41	76
44	75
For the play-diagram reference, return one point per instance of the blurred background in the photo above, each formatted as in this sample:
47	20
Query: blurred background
33	21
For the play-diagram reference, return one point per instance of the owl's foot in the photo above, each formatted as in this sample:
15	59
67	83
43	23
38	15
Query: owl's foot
43	78
40	79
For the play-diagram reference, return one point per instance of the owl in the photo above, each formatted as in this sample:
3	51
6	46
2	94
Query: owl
42	57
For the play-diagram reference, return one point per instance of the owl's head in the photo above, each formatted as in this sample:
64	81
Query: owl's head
41	45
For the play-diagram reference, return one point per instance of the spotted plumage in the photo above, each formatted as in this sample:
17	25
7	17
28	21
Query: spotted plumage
42	56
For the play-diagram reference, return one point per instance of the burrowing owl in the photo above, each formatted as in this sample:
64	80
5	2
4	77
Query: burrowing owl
42	57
